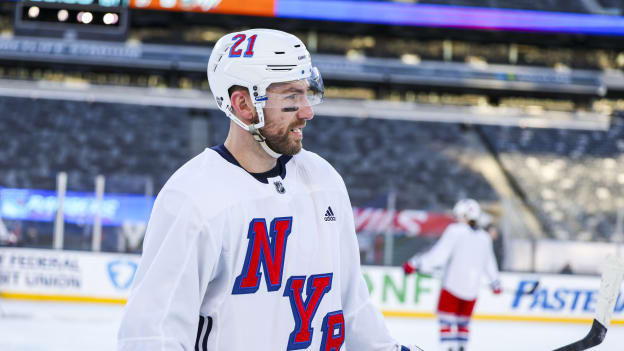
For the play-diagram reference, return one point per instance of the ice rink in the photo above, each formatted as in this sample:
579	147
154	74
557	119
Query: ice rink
46	326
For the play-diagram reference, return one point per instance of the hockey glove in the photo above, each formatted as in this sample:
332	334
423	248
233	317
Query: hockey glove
496	287
408	268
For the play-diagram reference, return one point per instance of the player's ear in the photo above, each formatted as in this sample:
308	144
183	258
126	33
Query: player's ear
242	105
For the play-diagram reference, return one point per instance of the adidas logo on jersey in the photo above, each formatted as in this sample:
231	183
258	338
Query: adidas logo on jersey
329	215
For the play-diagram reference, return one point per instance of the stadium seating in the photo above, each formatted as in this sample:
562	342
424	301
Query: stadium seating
573	179
126	143
132	144
423	162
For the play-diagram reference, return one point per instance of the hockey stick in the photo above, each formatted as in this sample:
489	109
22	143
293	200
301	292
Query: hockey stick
609	288
534	285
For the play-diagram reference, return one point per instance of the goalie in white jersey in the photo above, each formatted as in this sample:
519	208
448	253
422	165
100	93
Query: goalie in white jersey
251	244
465	253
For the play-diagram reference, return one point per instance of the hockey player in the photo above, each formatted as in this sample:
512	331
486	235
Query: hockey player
251	244
464	252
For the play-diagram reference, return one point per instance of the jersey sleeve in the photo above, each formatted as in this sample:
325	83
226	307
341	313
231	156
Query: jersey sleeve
439	254
162	312
365	327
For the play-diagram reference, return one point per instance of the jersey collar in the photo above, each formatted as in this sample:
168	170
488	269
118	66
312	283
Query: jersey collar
278	170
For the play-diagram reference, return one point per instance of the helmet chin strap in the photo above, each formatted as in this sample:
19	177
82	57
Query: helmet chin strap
262	140
255	131
268	150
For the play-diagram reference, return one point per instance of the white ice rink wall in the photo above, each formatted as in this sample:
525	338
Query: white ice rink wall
101	277
66	275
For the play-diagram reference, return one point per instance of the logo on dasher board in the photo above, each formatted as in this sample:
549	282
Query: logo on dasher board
121	273
329	215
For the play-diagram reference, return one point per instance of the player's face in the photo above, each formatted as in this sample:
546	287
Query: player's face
285	120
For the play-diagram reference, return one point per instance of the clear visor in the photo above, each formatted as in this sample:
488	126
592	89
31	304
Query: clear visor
290	96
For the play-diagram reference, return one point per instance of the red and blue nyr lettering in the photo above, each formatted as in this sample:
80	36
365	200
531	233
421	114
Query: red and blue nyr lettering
333	328
268	252
268	248
304	311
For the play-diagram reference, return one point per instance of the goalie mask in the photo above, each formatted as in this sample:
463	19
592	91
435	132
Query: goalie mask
260	60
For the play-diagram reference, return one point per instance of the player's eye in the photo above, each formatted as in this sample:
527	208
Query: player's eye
290	109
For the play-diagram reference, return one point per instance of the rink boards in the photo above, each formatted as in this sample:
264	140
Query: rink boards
106	278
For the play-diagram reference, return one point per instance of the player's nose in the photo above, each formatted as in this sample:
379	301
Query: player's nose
305	112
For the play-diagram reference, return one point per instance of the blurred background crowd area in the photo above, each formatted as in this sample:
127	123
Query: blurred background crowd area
527	120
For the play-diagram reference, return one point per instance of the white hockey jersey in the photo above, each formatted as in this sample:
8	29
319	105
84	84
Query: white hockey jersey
464	254
237	262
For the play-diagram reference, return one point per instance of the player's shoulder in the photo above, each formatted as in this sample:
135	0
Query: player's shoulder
485	235
461	229
315	163
201	179
457	227
192	173
318	169
313	159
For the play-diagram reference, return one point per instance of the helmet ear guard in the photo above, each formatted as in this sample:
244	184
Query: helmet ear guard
257	59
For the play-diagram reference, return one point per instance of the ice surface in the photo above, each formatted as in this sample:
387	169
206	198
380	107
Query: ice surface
504	335
46	326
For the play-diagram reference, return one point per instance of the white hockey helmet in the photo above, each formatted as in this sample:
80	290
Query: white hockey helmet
255	59
467	209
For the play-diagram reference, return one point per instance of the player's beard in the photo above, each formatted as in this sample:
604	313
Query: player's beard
280	141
